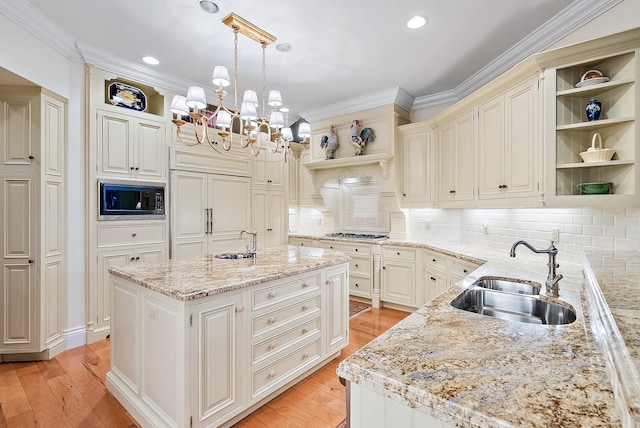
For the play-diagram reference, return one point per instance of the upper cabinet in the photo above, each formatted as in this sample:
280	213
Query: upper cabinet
608	181
131	147
417	146
456	159
508	144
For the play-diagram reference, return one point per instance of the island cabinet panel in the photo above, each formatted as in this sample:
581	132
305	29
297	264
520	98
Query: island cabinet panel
208	361
216	364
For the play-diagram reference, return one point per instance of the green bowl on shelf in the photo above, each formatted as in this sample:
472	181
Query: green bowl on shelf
595	188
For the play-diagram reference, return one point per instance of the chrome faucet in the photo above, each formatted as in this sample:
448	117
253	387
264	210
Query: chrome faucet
253	250
552	278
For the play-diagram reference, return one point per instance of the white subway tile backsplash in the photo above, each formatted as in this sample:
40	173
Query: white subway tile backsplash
614	232
592	230
603	242
604	220
583	219
627	244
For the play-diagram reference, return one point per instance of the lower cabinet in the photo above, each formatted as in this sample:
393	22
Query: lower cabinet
204	362
360	266
398	276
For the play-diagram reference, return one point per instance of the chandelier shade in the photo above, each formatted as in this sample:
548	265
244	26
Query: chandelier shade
220	76
179	105
250	96
196	98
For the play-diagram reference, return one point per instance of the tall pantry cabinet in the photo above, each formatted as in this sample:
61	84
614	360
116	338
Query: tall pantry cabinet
32	223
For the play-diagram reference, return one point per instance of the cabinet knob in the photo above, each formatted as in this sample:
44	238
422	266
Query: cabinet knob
356	265
137	169
404	194
305	285
434	260
398	253
305	330
132	259
331	247
272	295
131	168
31	157
138	258
433	279
272	320
452	191
356	250
272	374
273	345
133	235
302	244
356	285
30	261
464	270
384	267
305	356
239	309
305	308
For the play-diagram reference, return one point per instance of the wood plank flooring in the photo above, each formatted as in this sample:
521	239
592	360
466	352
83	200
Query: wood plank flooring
69	390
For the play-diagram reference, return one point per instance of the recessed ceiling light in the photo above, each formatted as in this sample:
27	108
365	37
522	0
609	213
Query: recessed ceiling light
284	47
209	6
150	60
417	21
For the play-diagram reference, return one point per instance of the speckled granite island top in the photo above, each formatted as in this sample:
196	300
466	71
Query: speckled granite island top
202	276
473	370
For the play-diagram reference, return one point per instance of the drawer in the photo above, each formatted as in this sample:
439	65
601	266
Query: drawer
274	319
436	260
360	286
272	345
460	269
287	367
302	242
399	253
360	265
267	296
114	234
348	247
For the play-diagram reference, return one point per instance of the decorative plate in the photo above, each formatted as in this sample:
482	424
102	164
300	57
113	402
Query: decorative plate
595	188
127	96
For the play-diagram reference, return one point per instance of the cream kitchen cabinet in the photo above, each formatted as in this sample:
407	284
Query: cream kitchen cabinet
208	211
398	280
269	216
441	271
304	242
418	159
32	223
508	144
456	159
360	266
269	170
336	321
131	146
121	243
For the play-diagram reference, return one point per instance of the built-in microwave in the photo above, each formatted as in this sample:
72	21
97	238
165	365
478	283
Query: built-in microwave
126	200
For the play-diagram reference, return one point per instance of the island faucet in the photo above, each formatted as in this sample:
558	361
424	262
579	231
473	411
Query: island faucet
552	278
253	250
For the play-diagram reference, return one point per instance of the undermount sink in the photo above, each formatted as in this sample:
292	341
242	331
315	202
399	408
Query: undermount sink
513	307
509	285
233	256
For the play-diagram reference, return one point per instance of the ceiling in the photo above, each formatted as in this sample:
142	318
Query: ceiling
342	50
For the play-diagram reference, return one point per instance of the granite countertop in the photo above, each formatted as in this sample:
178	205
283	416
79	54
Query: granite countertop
197	277
472	370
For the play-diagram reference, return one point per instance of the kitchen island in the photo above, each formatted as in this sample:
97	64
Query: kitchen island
443	366
204	341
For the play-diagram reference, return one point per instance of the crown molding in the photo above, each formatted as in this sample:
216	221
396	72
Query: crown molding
570	19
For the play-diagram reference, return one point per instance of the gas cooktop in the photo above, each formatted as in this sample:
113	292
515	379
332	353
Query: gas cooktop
356	236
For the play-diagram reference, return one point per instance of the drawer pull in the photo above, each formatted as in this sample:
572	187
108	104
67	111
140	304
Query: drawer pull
132	258
273	346
305	356
133	235
305	285
356	250
272	320
272	295
434	260
239	309
331	247
356	265
464	270
272	374
305	330
356	284
305	308
433	279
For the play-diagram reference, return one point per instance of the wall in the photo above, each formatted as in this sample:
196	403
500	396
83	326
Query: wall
581	229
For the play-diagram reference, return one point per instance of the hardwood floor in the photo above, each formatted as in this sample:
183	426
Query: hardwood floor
69	390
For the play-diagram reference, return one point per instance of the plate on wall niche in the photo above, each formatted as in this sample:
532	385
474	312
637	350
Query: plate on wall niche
123	95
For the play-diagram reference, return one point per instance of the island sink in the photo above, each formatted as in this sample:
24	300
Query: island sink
513	307
233	256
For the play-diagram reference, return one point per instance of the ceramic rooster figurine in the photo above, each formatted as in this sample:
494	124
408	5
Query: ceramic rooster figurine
360	139
329	143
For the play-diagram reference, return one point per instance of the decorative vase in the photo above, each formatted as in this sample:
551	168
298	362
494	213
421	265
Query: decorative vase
593	110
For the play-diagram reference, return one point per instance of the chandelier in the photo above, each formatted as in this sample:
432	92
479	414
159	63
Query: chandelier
256	133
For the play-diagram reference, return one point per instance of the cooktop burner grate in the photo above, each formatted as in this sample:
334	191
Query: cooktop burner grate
355	235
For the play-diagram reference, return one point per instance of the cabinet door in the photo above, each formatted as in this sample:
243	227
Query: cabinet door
107	259
269	170
217	364
151	150
115	144
190	215
416	155
434	284
229	200
398	282
336	326
17	141
521	139
18	284
151	254
277	219
446	163
465	157
491	149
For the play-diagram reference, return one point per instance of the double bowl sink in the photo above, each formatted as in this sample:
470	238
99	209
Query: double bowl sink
512	300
